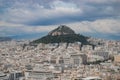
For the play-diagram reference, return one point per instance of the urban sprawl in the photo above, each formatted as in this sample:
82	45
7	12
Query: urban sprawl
21	61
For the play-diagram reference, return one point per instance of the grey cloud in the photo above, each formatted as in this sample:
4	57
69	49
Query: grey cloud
33	13
46	11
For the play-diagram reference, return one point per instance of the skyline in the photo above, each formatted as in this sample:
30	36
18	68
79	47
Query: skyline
35	18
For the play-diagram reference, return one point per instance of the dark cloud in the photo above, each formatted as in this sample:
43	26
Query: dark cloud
89	10
34	13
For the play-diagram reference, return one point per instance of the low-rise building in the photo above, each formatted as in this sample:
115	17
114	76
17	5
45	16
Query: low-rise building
117	58
104	54
38	75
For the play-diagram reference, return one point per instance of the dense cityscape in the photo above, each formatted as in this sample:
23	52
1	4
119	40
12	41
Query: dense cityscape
19	60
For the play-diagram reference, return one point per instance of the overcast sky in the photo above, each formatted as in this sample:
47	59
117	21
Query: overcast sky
34	18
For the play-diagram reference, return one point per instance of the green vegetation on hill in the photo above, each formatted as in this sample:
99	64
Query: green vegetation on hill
70	38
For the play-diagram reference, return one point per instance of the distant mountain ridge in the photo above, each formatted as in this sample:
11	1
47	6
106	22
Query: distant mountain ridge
62	34
5	39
